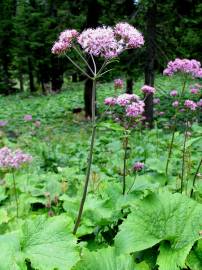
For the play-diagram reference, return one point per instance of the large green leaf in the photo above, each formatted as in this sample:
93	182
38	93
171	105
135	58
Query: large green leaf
105	259
48	244
10	256
194	260
172	259
158	217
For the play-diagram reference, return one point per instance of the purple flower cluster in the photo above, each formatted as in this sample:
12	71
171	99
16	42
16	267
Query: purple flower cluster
27	117
110	101
175	104
156	100
138	166
173	93
118	84
103	41
3	123
147	89
199	103
194	91
135	109
13	159
190	104
125	99
65	41
192	67
129	36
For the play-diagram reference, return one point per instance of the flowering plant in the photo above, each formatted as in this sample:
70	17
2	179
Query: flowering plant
105	42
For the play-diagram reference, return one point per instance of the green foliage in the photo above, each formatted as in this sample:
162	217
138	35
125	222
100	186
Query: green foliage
160	217
105	259
47	244
194	260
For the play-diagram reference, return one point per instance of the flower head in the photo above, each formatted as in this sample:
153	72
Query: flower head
100	41
65	41
175	103
173	93
135	109
194	91
28	117
110	101
118	84
3	123
186	66
128	35
13	159
138	166
190	104
199	103
126	99
156	100
146	89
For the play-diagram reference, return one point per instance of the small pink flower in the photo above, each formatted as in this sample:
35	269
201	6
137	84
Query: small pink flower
161	113
118	84
28	117
126	99
146	89
138	166
199	103
175	104
173	93
156	100
194	91
3	123
110	101
190	104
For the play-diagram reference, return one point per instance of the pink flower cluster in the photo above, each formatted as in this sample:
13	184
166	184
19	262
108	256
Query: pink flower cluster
65	41
129	36
173	93
118	84
135	109
110	101
100	42
27	117
175	104
13	159
3	123
138	166
192	67
126	99
103	41
199	103
156	100
133	106
190	104
147	89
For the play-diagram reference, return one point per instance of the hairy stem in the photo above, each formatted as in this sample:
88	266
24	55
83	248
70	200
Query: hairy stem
170	148
90	157
194	179
125	142
183	157
15	194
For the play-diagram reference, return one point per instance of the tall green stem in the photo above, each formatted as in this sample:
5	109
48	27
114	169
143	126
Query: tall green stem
195	175
90	157
15	194
174	129
183	156
125	142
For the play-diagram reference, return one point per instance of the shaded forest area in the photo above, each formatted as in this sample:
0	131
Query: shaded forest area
28	29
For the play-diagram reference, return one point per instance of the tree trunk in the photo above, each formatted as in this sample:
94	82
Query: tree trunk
56	74
31	77
21	81
129	86
150	58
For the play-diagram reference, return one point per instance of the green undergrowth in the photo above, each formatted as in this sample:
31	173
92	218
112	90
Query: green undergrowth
153	226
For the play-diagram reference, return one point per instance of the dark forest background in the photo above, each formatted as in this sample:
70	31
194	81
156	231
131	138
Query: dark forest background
28	28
